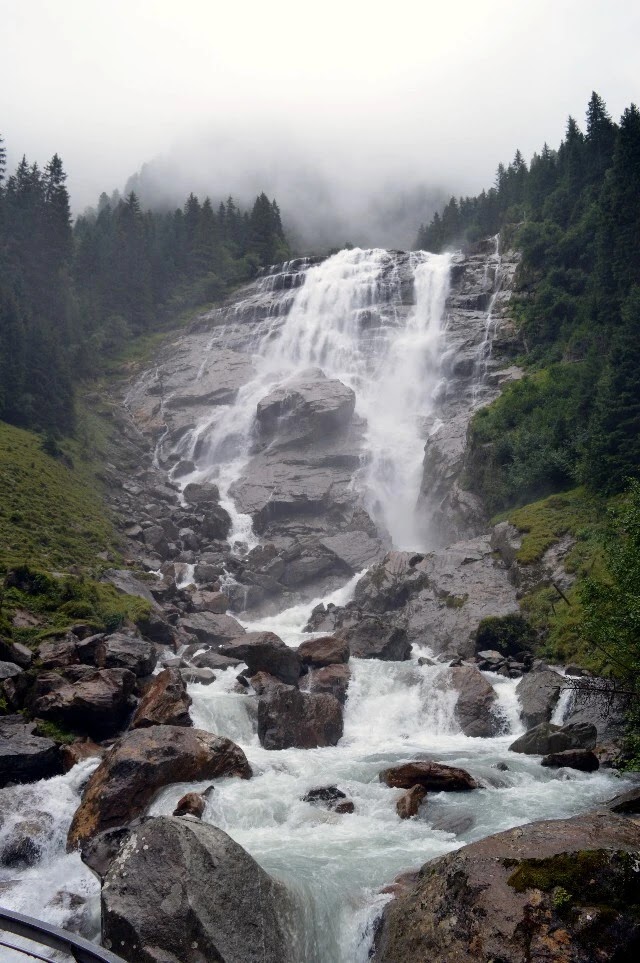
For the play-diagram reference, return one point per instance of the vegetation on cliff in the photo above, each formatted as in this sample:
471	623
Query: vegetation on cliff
575	215
574	419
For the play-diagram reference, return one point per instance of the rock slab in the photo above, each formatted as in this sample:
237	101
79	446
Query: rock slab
181	891
563	890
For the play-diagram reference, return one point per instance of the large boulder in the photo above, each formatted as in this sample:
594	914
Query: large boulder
333	679
165	703
327	650
547	738
538	693
289	718
432	776
305	410
99	703
475	708
120	651
564	890
581	759
25	756
377	638
141	763
182	891
211	629
265	652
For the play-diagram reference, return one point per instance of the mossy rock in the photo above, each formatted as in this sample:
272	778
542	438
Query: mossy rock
507	634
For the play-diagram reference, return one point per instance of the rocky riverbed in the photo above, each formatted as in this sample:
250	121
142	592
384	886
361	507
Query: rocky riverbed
311	705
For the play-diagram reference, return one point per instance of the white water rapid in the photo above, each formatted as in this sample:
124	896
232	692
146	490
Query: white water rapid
338	865
346	319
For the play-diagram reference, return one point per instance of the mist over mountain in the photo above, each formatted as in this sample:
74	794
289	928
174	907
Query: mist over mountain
325	202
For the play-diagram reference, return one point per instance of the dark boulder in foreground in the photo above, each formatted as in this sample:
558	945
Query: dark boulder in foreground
289	718
432	776
547	738
98	702
181	891
141	763
582	759
559	890
25	756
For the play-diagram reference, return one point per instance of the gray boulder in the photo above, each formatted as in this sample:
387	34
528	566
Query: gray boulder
538	692
25	756
474	709
181	891
547	738
120	651
497	899
212	629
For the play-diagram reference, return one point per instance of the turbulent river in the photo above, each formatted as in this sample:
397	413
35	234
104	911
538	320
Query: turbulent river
337	866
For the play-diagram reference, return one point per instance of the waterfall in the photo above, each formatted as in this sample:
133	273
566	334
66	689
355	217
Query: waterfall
483	356
347	316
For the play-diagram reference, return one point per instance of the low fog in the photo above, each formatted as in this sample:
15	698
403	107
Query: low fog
359	117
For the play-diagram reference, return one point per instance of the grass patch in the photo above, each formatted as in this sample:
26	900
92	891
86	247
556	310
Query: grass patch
50	513
543	523
64	601
53	731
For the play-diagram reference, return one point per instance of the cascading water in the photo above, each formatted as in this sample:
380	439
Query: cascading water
337	865
345	320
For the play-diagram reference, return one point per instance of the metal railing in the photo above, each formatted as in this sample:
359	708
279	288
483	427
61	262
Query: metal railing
44	934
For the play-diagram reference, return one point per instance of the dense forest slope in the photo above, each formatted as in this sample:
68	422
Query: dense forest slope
69	295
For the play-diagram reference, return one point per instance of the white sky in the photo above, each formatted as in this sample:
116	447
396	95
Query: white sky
364	89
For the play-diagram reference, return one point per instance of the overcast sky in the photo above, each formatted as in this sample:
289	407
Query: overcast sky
403	90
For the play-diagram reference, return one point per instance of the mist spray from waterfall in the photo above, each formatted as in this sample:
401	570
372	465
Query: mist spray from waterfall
347	319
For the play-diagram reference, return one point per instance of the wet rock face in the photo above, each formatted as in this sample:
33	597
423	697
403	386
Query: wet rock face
556	890
305	409
480	281
143	762
289	718
437	599
25	756
156	908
